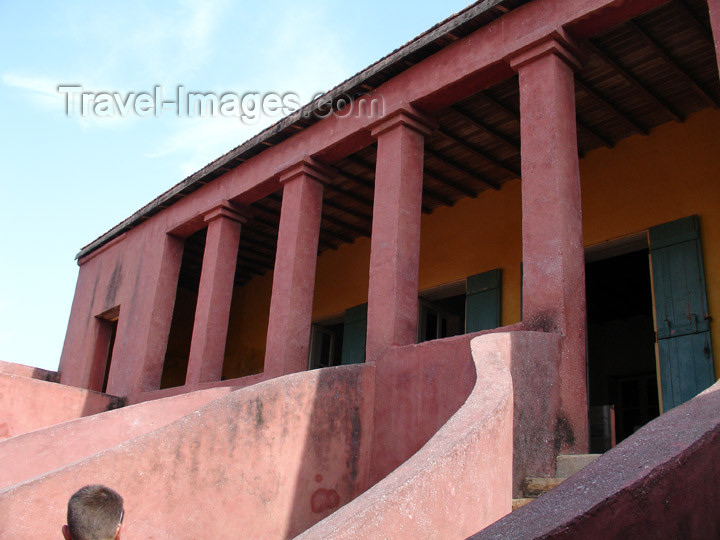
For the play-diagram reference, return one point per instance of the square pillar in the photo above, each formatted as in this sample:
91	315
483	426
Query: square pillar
288	338
552	237
217	278
163	292
714	8
395	244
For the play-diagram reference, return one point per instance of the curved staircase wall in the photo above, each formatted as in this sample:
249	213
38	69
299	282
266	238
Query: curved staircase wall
419	387
22	370
658	483
27	404
458	481
266	461
41	451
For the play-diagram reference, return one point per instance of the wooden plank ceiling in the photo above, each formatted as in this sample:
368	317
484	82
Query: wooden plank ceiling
657	68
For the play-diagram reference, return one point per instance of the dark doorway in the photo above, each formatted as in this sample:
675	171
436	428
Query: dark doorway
181	327
441	318
107	327
113	325
622	374
326	344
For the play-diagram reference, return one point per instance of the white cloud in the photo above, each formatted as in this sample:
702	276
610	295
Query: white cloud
151	41
300	53
161	46
42	91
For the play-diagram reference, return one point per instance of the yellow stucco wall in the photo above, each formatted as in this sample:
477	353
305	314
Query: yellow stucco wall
247	331
644	181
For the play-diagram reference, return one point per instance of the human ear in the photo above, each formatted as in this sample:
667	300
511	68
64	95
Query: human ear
66	532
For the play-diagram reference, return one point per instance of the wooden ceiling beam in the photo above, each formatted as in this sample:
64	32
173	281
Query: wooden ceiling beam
362	231
255	245
455	186
649	94
332	234
603	100
332	204
696	22
603	141
477	152
434	196
273	237
349	194
663	53
349	211
461	168
430	194
478	124
246	236
256	259
250	269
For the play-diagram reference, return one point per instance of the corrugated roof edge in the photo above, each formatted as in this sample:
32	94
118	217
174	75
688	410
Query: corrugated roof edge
433	33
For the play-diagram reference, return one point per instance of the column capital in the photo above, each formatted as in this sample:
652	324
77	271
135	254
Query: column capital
407	116
229	210
558	43
308	167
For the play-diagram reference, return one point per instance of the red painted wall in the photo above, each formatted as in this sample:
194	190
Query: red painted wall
662	482
460	480
44	450
134	272
419	387
264	462
21	370
29	404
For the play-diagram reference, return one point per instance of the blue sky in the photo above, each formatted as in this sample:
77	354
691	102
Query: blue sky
66	180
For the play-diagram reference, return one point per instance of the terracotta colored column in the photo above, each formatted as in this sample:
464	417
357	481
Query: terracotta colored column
288	338
553	252
163	302
714	7
395	245
212	313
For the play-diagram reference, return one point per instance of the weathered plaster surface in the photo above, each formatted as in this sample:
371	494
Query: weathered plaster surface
659	483
21	370
460	480
263	462
29	404
127	271
44	450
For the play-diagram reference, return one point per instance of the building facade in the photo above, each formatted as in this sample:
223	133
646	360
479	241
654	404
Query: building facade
525	166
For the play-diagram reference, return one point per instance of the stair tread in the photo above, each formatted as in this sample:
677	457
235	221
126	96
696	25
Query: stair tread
569	464
534	487
519	503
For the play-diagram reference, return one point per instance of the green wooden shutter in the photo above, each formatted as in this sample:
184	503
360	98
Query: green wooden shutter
482	301
683	321
354	331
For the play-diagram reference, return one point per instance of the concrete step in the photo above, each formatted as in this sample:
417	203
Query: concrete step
567	465
534	487
519	503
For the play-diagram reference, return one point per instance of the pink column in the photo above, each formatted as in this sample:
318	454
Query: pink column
395	245
212	313
553	252
163	302
288	338
714	7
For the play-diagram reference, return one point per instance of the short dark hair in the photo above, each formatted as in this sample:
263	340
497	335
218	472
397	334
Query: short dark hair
94	513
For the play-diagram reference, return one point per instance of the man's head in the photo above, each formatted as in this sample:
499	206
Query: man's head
94	513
